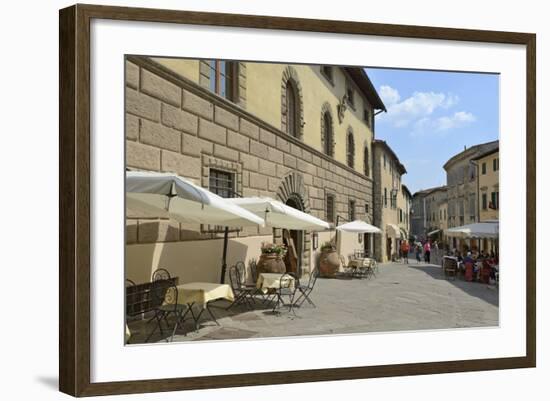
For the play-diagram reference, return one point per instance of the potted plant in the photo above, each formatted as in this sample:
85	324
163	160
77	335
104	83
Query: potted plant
329	262
271	259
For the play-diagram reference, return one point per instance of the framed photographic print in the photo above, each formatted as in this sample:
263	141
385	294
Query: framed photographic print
250	200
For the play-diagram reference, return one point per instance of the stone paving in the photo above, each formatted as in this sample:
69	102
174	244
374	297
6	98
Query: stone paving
400	297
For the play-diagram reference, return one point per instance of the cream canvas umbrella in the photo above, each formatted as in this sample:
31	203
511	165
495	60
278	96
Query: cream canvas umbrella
185	202
484	229
359	227
277	214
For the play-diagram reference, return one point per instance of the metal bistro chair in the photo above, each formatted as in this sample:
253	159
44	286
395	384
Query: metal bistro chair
288	284
241	269
160	274
347	270
164	295
305	290
370	267
243	294
450	267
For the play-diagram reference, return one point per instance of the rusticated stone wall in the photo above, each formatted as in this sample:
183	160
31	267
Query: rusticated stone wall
175	125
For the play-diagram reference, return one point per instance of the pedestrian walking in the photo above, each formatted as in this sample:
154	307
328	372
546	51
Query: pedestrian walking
427	251
405	251
418	250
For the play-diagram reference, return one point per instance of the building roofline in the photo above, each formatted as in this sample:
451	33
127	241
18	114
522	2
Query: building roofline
404	188
387	147
364	83
490	152
460	155
430	190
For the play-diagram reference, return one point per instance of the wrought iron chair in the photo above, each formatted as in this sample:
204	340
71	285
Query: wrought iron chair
305	290
450	267
160	274
164	295
243	294
368	268
241	268
347	270
287	288
253	271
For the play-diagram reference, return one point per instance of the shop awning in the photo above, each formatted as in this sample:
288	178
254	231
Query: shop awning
358	226
277	214
433	232
393	231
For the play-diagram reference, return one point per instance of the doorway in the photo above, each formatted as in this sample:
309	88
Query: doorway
366	245
294	241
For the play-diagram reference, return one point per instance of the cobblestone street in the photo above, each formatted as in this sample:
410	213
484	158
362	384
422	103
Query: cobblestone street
400	297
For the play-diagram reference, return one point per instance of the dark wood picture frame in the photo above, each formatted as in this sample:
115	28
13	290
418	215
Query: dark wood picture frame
74	202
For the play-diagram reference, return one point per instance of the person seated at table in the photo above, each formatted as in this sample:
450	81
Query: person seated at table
469	258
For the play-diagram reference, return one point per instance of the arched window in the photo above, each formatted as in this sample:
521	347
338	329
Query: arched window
366	166
327	135
350	149
292	106
291	110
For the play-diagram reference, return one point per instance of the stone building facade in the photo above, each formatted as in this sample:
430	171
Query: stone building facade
429	213
388	193
462	183
178	121
488	167
404	206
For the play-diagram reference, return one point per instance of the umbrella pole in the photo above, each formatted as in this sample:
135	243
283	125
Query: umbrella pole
224	257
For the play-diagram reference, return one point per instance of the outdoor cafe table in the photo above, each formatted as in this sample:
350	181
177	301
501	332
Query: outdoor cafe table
271	281
358	263
201	294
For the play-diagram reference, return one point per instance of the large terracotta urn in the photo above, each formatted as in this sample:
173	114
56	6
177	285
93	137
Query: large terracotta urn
329	263
271	263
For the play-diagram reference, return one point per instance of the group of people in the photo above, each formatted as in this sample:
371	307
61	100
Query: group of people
478	260
419	250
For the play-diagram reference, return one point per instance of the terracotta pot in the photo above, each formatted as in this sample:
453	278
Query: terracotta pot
270	263
329	263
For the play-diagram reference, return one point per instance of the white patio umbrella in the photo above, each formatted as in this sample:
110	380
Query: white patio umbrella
277	214
185	202
484	229
358	226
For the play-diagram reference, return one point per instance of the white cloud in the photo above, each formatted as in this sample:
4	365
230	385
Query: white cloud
428	125
414	108
389	95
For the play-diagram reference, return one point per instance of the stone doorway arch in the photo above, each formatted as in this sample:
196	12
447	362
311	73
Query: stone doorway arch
293	192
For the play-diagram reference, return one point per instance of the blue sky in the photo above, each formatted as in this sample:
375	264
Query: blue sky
432	115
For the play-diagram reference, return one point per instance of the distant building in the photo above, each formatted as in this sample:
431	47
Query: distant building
391	202
429	215
404	206
464	196
488	184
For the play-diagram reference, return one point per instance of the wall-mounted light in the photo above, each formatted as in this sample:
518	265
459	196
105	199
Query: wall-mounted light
315	240
360	238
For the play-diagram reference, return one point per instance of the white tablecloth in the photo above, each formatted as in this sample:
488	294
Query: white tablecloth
201	293
271	281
